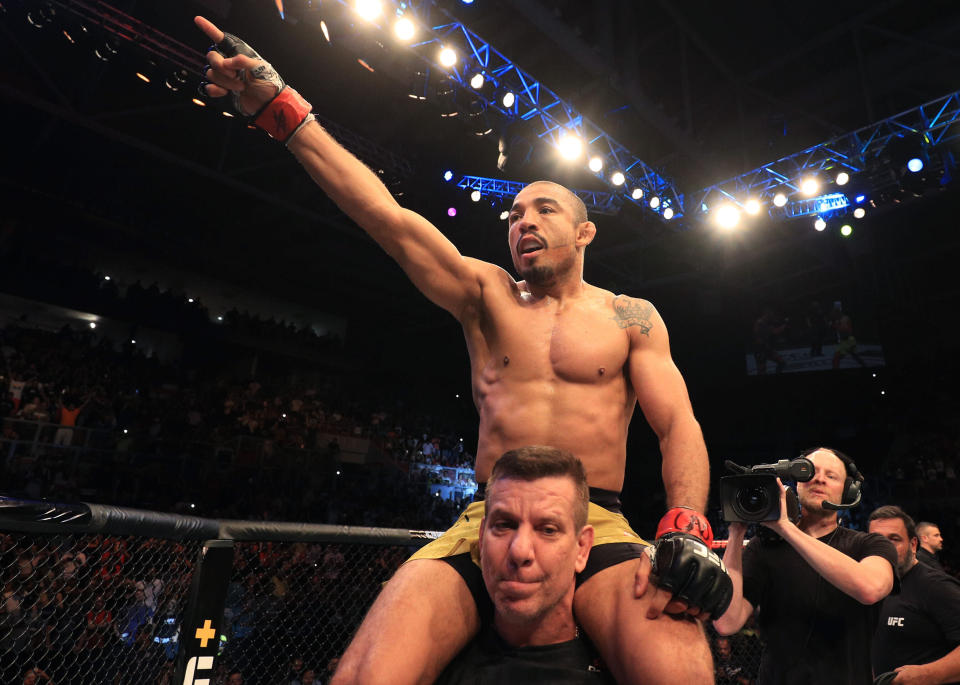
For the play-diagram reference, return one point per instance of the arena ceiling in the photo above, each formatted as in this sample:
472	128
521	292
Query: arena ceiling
699	90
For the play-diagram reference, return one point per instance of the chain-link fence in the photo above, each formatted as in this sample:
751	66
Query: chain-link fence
94	609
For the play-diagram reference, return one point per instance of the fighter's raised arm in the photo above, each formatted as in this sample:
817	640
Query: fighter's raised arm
431	261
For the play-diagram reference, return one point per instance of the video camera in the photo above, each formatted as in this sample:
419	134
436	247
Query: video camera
753	494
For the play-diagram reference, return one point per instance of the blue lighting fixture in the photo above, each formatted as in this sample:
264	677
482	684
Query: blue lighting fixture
448	175
597	202
915	165
859	199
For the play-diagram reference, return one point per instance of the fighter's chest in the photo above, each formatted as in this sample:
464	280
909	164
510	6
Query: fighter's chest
577	344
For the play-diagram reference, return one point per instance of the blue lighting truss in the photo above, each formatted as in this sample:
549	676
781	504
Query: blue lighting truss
935	122
597	202
549	116
822	206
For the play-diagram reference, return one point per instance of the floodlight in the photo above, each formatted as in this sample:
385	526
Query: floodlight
728	216
452	211
448	57
447	175
859	212
369	9
819	224
779	199
477	81
571	147
475	196
504	215
915	165
809	186
846	230
752	206
842	178
617	178
508	99
595	164
668	213
636	194
404	29
654	202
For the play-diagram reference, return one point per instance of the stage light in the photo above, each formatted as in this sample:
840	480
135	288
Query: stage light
93	324
728	216
477	81
636	194
324	30
654	202
668	213
452	211
66	34
448	57
508	99
404	29
842	178
595	164
915	165
859	198
478	117
752	206
198	102
617	178
190	300
219	318
859	212
106	278
143	77
475	196
447	175
369	9
809	186
779	199
846	230
176	80
132	341
819	224
504	215
571	147
228	115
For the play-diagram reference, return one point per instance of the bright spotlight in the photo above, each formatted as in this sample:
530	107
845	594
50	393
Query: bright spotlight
448	175
859	212
571	147
595	164
668	213
475	196
617	178
452	211
819	224
636	194
809	187
106	278
752	206
842	178
654	202
779	199
508	99
846	230
369	9
448	57
504	215
143	77
477	81
93	324
324	30
728	216
133	341
915	165
404	29
859	198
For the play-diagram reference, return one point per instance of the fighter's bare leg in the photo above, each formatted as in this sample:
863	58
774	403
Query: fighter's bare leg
422	618
637	649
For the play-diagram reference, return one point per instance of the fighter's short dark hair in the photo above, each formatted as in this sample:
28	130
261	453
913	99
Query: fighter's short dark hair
541	461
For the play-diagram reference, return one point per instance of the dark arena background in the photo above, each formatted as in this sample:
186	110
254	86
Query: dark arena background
766	174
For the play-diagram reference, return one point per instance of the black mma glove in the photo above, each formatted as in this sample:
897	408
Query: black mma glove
685	566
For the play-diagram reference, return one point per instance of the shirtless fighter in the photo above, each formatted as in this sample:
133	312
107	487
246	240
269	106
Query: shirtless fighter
554	361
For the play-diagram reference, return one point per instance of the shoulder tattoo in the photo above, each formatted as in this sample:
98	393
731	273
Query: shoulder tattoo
629	311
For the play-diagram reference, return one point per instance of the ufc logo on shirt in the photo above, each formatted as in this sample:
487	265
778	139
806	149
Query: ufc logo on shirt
895	621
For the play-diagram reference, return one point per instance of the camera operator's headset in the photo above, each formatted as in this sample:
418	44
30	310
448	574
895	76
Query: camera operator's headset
852	485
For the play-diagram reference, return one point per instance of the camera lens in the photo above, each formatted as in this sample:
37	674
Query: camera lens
752	501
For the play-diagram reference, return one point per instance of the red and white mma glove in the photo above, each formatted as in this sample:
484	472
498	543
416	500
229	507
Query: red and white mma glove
684	564
281	116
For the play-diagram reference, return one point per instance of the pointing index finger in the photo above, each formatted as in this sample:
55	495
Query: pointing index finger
205	25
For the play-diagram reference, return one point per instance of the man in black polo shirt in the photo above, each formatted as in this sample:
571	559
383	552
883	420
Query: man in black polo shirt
818	587
918	635
931	542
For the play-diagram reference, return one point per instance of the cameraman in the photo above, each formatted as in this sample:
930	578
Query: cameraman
818	585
